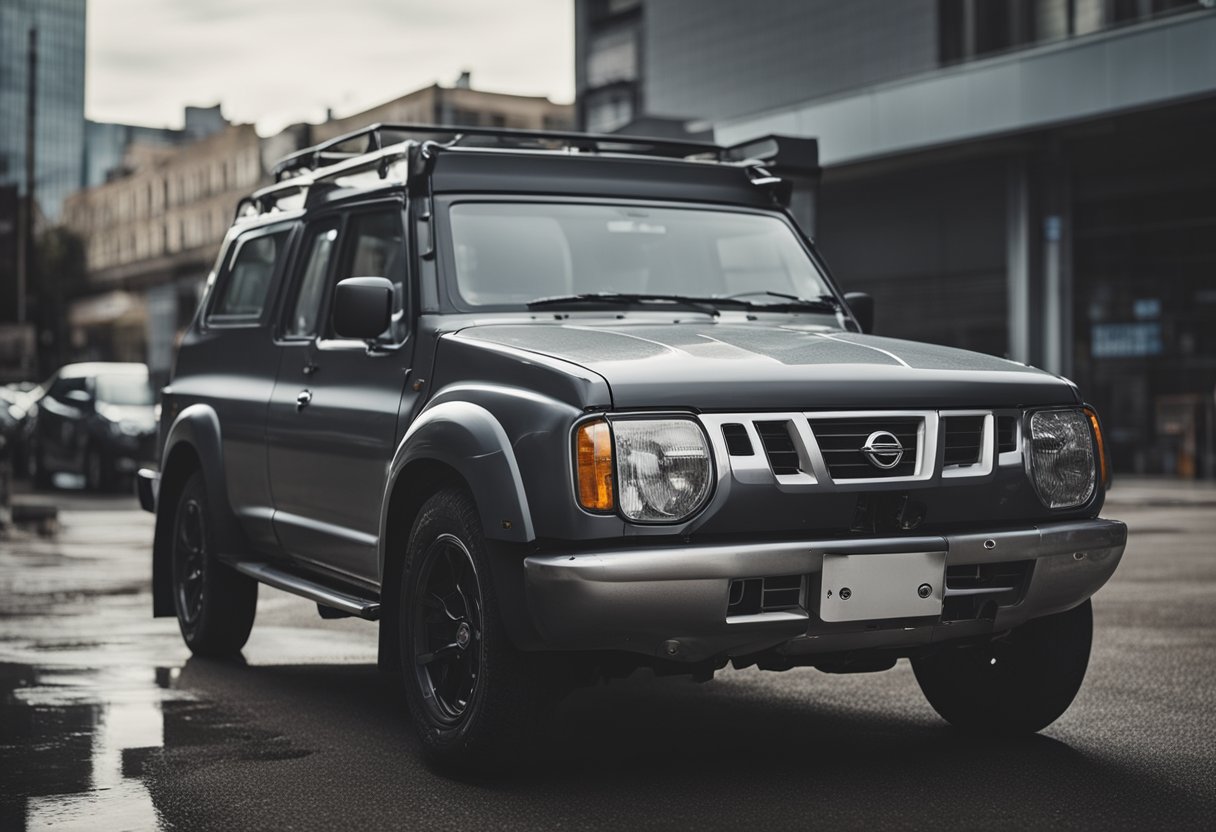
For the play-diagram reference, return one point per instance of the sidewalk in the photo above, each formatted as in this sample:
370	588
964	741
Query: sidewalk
1161	491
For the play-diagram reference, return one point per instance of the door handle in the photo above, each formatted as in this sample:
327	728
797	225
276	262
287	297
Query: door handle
302	400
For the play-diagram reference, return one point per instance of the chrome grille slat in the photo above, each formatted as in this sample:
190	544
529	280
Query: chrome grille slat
841	440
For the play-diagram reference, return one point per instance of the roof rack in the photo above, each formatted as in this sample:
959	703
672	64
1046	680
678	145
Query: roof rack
330	152
772	161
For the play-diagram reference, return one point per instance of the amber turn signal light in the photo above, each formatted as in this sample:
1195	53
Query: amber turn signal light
594	450
1103	461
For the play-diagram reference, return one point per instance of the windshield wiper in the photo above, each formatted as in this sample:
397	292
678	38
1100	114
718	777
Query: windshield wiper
708	306
824	303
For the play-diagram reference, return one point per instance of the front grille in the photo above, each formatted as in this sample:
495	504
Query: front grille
737	443
964	439
751	596
976	590
1006	434
841	441
779	446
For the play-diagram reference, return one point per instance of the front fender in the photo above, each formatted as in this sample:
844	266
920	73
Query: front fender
199	427
467	438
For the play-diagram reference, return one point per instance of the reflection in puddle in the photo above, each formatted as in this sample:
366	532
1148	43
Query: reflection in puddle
78	747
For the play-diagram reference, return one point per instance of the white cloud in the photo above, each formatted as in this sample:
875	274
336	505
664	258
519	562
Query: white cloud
275	62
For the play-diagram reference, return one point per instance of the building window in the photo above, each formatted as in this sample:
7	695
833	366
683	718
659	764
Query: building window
609	110
612	57
970	29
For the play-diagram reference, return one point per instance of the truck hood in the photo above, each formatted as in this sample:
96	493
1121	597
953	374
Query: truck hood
760	365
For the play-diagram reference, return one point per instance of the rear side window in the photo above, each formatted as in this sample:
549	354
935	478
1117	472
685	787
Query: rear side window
243	289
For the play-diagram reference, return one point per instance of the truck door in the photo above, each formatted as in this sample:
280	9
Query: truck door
333	423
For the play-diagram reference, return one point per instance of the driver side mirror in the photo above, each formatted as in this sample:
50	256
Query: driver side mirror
363	307
862	307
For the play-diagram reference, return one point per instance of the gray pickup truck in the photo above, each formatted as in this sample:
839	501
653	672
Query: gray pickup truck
551	407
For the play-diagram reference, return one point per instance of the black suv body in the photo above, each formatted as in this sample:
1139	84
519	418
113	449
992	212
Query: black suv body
549	404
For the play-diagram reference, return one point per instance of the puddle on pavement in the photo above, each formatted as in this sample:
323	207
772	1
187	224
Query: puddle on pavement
78	746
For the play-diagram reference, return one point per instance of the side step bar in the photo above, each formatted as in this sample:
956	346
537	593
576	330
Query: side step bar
313	591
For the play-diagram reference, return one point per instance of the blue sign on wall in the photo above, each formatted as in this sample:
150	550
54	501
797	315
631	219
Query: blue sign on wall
1126	340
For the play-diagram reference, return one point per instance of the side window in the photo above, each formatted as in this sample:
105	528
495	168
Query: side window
318	251
60	389
242	291
376	248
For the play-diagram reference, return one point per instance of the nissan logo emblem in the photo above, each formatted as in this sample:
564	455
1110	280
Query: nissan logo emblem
883	450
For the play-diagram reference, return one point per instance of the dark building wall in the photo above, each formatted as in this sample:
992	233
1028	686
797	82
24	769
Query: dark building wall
8	253
929	245
1144	276
718	59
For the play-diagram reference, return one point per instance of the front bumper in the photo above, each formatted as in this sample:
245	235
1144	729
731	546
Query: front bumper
671	602
147	484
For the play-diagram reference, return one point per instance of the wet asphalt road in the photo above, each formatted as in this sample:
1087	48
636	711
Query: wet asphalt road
107	723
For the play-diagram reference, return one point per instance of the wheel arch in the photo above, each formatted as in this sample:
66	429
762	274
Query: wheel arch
464	439
416	482
455	445
182	461
192	444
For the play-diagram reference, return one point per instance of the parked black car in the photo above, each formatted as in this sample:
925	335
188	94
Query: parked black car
97	419
17	422
549	406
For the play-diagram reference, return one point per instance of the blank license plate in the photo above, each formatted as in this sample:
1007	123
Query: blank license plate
900	585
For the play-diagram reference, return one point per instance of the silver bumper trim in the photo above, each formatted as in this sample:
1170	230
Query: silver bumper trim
647	600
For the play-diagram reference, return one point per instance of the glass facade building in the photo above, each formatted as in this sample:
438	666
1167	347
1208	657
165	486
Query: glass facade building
1028	178
60	128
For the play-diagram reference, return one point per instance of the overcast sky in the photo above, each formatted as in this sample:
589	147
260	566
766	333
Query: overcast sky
275	62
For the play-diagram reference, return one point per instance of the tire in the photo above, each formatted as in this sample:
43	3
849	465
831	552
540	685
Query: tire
215	604
1017	684
472	697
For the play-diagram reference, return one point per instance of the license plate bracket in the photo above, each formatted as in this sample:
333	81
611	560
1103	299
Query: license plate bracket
864	587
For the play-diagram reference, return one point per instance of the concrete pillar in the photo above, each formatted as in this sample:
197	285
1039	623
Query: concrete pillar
1055	182
1018	224
1038	257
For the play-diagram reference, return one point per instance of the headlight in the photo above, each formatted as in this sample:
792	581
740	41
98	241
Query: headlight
131	428
663	468
1061	457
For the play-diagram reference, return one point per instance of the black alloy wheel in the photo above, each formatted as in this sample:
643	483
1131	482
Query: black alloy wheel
189	559
215	604
448	629
473	698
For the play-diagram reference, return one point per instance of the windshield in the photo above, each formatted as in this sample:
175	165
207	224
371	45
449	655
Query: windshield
128	390
508	254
